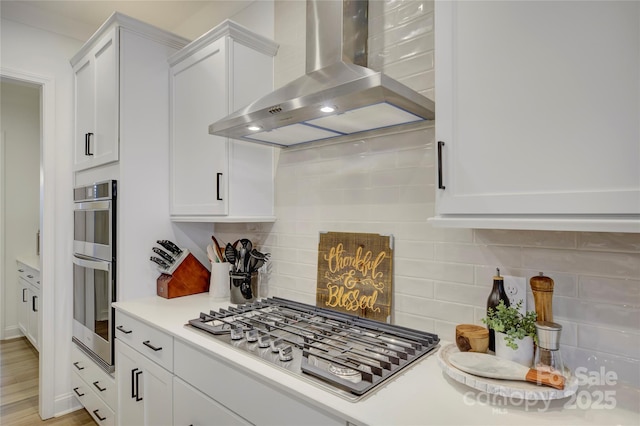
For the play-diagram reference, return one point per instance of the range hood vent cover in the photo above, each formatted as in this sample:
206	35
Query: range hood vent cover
360	100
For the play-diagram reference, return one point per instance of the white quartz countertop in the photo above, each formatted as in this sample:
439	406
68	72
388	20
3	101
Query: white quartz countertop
420	395
31	261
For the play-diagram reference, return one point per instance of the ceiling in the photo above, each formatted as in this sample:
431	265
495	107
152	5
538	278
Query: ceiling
171	15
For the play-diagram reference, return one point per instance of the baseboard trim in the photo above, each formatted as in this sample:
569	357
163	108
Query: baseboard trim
66	404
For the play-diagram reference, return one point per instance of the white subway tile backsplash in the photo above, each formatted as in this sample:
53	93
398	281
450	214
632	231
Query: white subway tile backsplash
479	254
413	250
609	340
461	293
603	241
591	263
439	310
548	239
413	287
588	312
610	290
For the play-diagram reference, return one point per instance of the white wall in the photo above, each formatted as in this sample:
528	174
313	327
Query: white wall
442	276
33	51
20	126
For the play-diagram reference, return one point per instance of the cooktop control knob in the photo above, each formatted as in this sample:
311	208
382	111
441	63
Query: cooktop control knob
263	340
251	335
275	345
285	353
236	332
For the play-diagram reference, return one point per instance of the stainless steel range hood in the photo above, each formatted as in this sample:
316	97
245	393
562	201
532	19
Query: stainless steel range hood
363	101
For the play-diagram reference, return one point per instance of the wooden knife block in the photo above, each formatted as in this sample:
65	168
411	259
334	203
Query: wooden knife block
189	277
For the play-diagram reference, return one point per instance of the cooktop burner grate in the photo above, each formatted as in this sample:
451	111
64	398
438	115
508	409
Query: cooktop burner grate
338	350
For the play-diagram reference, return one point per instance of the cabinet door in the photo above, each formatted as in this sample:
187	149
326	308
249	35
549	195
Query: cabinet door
130	409
192	407
199	161
145	390
23	306
531	123
96	105
33	332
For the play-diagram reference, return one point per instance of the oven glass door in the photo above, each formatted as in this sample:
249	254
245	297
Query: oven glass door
92	229
92	311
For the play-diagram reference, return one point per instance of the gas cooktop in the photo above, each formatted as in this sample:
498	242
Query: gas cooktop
342	353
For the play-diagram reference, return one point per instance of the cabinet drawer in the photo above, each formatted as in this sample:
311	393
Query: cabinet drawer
29	274
192	407
101	413
94	377
149	341
236	390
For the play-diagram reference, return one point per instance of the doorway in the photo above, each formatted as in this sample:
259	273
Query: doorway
43	88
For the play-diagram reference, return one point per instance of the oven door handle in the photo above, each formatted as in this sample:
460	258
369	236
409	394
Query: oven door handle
93	205
101	265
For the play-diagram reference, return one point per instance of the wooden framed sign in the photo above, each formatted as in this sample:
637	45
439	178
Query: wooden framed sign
355	274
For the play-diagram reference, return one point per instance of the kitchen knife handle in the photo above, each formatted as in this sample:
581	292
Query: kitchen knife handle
544	378
218	176
440	184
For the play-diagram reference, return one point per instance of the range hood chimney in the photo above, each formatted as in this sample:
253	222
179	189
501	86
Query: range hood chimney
338	96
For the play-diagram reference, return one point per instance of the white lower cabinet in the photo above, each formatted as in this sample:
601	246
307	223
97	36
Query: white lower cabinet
192	407
145	390
237	394
29	303
93	387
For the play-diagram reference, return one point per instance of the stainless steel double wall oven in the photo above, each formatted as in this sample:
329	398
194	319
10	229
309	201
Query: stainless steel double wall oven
94	270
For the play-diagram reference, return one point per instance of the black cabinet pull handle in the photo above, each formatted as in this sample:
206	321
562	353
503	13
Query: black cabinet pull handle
218	176
440	184
29	276
24	298
121	328
20	270
76	365
98	415
98	386
133	388
77	393
149	345
138	397
33	303
88	144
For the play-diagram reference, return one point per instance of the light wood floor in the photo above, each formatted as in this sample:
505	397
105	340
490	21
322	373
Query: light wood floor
19	388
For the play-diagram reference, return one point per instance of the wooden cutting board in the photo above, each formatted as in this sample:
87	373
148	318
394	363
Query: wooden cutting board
485	365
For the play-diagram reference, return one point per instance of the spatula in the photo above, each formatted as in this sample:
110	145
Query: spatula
485	365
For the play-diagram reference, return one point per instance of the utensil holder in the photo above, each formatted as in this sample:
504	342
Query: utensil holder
219	287
243	287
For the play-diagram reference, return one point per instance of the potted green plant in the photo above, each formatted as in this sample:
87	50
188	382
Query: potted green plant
515	333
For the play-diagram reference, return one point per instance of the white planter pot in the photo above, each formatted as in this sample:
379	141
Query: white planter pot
523	355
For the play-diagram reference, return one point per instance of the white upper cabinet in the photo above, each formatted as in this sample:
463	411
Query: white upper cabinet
215	179
96	104
117	76
537	115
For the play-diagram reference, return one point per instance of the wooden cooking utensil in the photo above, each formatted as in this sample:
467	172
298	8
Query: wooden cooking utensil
485	365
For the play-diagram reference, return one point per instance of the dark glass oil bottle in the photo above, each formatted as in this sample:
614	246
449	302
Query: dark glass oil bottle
497	294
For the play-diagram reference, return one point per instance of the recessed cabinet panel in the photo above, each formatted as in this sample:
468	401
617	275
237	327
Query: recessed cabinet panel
200	160
531	123
96	104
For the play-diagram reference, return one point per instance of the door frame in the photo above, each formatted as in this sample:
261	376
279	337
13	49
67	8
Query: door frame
47	234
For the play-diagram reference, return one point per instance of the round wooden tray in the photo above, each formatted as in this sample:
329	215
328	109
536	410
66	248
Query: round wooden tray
508	388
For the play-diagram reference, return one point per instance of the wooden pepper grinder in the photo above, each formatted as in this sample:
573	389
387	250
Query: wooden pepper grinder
542	288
